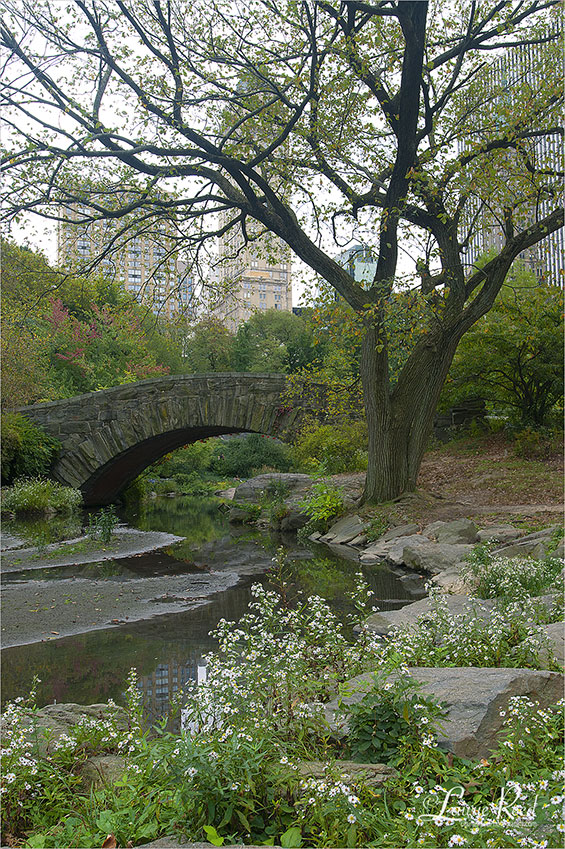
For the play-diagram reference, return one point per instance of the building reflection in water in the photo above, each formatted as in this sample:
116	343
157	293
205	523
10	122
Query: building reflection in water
160	687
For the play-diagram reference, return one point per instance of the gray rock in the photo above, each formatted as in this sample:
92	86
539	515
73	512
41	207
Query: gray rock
228	494
344	530
294	520
391	550
473	698
432	529
371	775
315	536
457	532
408	616
543	534
358	541
555	633
400	531
435	557
534	548
102	769
254	489
499	533
452	581
241	515
48	724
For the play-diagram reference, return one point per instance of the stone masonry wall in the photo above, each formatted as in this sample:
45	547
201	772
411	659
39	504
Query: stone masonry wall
109	436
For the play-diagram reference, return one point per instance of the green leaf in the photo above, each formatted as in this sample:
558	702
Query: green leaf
243	820
291	838
36	841
213	836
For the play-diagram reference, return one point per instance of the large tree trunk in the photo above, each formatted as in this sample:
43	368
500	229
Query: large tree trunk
399	422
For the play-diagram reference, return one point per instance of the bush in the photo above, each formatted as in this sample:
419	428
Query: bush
27	450
102	524
391	722
39	495
322	504
537	444
242	457
511	578
192	458
340	448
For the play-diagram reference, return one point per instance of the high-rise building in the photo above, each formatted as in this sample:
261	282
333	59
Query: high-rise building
144	264
251	277
518	68
360	262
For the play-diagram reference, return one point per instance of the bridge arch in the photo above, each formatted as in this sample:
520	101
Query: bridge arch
110	436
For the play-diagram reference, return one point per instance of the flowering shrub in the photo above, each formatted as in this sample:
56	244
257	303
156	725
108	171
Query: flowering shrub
493	575
40	495
507	635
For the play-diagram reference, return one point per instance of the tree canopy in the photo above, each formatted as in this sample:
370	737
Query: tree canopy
395	122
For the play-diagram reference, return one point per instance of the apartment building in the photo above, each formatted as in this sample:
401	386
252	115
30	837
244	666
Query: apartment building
517	67
251	277
144	264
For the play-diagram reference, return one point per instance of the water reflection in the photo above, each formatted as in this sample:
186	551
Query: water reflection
169	650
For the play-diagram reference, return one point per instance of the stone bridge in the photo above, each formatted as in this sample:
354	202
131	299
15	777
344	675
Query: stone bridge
109	437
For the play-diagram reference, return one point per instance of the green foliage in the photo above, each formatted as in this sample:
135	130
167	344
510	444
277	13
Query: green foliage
102	524
243	456
40	495
538	444
510	634
26	449
192	458
512	578
377	526
63	335
209	347
273	341
323	503
392	722
338	448
512	357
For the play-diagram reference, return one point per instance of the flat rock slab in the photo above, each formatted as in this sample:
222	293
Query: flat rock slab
391	550
500	533
384	623
125	542
457	532
473	698
435	557
344	530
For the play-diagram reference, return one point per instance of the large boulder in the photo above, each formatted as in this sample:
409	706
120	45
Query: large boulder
49	724
536	545
499	533
101	770
408	616
473	697
399	531
435	557
255	489
458	532
391	550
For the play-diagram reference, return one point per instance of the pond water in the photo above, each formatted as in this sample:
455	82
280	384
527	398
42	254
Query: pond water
168	650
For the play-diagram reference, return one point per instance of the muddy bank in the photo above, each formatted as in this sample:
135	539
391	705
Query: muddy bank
42	610
125	542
